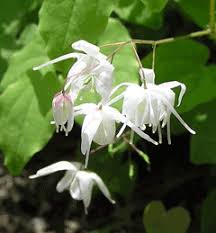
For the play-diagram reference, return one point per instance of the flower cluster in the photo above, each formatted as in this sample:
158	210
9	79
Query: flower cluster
143	105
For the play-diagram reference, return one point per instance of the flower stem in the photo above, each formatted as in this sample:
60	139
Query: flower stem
162	41
138	151
212	16
140	64
153	55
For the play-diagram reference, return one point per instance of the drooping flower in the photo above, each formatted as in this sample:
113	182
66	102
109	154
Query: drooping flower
100	126
79	183
91	65
63	112
153	106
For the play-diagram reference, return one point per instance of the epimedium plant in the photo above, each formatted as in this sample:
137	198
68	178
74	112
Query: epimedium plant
113	69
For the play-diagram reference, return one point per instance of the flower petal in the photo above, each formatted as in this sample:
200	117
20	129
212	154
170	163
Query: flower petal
59	166
102	187
84	46
149	75
106	131
65	182
116	115
61	58
90	126
172	109
86	184
174	84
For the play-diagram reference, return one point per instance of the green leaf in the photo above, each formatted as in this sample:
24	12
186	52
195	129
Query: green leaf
203	144
208	214
12	10
115	32
64	21
184	61
124	72
25	107
197	10
156	5
134	11
157	219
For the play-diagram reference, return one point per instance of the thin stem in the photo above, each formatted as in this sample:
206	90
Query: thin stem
111	56
114	44
163	41
187	36
138	151
153	55
140	65
212	16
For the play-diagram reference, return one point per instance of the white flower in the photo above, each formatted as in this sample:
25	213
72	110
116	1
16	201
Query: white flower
63	113
100	126
154	105
79	183
90	65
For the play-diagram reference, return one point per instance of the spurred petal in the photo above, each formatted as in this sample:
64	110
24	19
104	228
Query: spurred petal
116	115
59	166
86	47
174	84
172	109
102	187
61	58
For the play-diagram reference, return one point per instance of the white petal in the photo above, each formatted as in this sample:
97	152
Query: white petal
86	47
132	97
74	189
61	58
116	115
90	126
174	84
141	133
119	86
65	182
122	129
102	187
59	166
84	109
149	75
106	131
168	131
115	99
86	184
103	85
171	108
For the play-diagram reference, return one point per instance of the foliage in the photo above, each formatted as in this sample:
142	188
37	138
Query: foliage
32	32
157	219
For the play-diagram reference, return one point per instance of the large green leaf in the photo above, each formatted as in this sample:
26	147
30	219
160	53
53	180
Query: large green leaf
208	215
64	21
185	61
134	11
25	107
203	144
197	10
